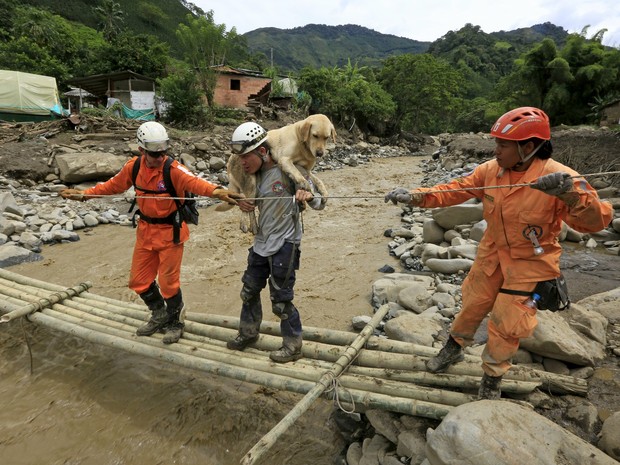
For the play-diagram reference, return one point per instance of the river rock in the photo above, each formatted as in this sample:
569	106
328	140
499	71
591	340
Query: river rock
492	432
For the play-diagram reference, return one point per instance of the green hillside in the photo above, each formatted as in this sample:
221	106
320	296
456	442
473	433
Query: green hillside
317	45
157	17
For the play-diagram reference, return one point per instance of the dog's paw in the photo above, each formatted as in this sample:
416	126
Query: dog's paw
248	223
303	184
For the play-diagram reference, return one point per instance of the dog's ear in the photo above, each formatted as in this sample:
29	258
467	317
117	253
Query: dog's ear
333	133
305	130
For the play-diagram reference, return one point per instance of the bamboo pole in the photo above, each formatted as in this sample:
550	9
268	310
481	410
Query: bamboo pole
330	376
47	302
81	328
460	375
445	397
297	370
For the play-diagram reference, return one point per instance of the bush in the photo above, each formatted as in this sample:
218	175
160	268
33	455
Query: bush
184	100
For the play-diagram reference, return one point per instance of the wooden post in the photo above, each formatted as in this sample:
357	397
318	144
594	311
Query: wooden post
341	364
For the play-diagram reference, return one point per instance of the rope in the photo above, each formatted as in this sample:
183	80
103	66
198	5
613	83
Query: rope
116	197
335	384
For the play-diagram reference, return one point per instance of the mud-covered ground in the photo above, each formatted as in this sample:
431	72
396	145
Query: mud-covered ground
86	404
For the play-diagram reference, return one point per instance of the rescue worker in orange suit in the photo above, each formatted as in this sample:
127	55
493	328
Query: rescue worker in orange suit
156	262
511	260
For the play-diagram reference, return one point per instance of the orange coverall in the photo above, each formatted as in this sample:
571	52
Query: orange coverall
506	258
155	253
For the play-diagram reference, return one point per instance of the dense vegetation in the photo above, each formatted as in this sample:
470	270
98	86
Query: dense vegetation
317	45
381	83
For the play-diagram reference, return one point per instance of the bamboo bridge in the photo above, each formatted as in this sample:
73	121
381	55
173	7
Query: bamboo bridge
355	370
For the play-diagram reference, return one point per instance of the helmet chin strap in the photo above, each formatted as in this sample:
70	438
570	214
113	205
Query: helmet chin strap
526	158
523	157
263	158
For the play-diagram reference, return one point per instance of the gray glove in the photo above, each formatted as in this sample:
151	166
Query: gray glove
400	194
554	183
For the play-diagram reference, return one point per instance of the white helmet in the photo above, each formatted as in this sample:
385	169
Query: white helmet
153	137
247	137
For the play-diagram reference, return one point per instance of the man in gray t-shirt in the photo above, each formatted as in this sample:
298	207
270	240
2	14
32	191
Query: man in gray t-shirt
275	254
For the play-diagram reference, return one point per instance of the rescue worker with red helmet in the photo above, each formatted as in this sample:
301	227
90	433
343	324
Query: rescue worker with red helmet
156	262
519	249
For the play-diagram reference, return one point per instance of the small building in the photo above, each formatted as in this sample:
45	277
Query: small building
134	91
610	114
240	88
78	98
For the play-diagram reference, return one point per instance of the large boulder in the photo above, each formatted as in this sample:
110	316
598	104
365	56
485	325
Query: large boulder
88	166
492	432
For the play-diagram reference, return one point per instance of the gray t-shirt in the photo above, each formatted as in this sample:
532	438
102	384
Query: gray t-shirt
279	220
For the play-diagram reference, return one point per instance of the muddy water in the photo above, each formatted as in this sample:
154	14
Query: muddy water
86	404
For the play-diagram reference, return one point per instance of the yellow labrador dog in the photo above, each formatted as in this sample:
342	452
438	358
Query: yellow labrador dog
300	144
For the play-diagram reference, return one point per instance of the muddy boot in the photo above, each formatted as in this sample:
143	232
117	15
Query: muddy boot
176	317
156	304
451	353
241	342
490	387
289	352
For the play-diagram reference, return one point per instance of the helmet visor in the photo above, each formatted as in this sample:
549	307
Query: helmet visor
240	146
156	146
243	146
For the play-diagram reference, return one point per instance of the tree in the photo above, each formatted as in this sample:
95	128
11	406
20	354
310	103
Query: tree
25	55
143	54
427	91
565	83
348	96
181	92
110	18
206	45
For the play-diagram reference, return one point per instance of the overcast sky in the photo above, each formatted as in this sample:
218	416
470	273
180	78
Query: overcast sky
425	20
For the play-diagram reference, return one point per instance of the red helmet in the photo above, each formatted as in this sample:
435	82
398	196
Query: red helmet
521	124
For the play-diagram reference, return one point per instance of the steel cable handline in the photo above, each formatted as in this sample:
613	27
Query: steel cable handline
161	197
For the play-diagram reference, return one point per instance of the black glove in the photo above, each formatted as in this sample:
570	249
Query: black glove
554	183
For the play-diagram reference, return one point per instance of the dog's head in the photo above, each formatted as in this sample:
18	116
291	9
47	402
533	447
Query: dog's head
316	130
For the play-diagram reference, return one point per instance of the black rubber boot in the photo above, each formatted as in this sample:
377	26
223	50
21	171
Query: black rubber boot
173	330
156	304
490	387
451	353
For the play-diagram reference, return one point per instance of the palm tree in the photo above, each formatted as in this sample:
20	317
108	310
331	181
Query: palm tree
110	18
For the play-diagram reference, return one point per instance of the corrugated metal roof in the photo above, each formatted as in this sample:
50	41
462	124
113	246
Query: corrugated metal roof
99	84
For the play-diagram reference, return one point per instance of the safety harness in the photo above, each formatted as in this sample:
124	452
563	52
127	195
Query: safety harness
186	211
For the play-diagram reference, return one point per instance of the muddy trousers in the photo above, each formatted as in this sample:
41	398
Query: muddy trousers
509	319
280	275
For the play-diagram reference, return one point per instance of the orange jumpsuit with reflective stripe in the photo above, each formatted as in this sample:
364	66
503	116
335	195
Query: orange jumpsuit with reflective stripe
506	256
155	253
